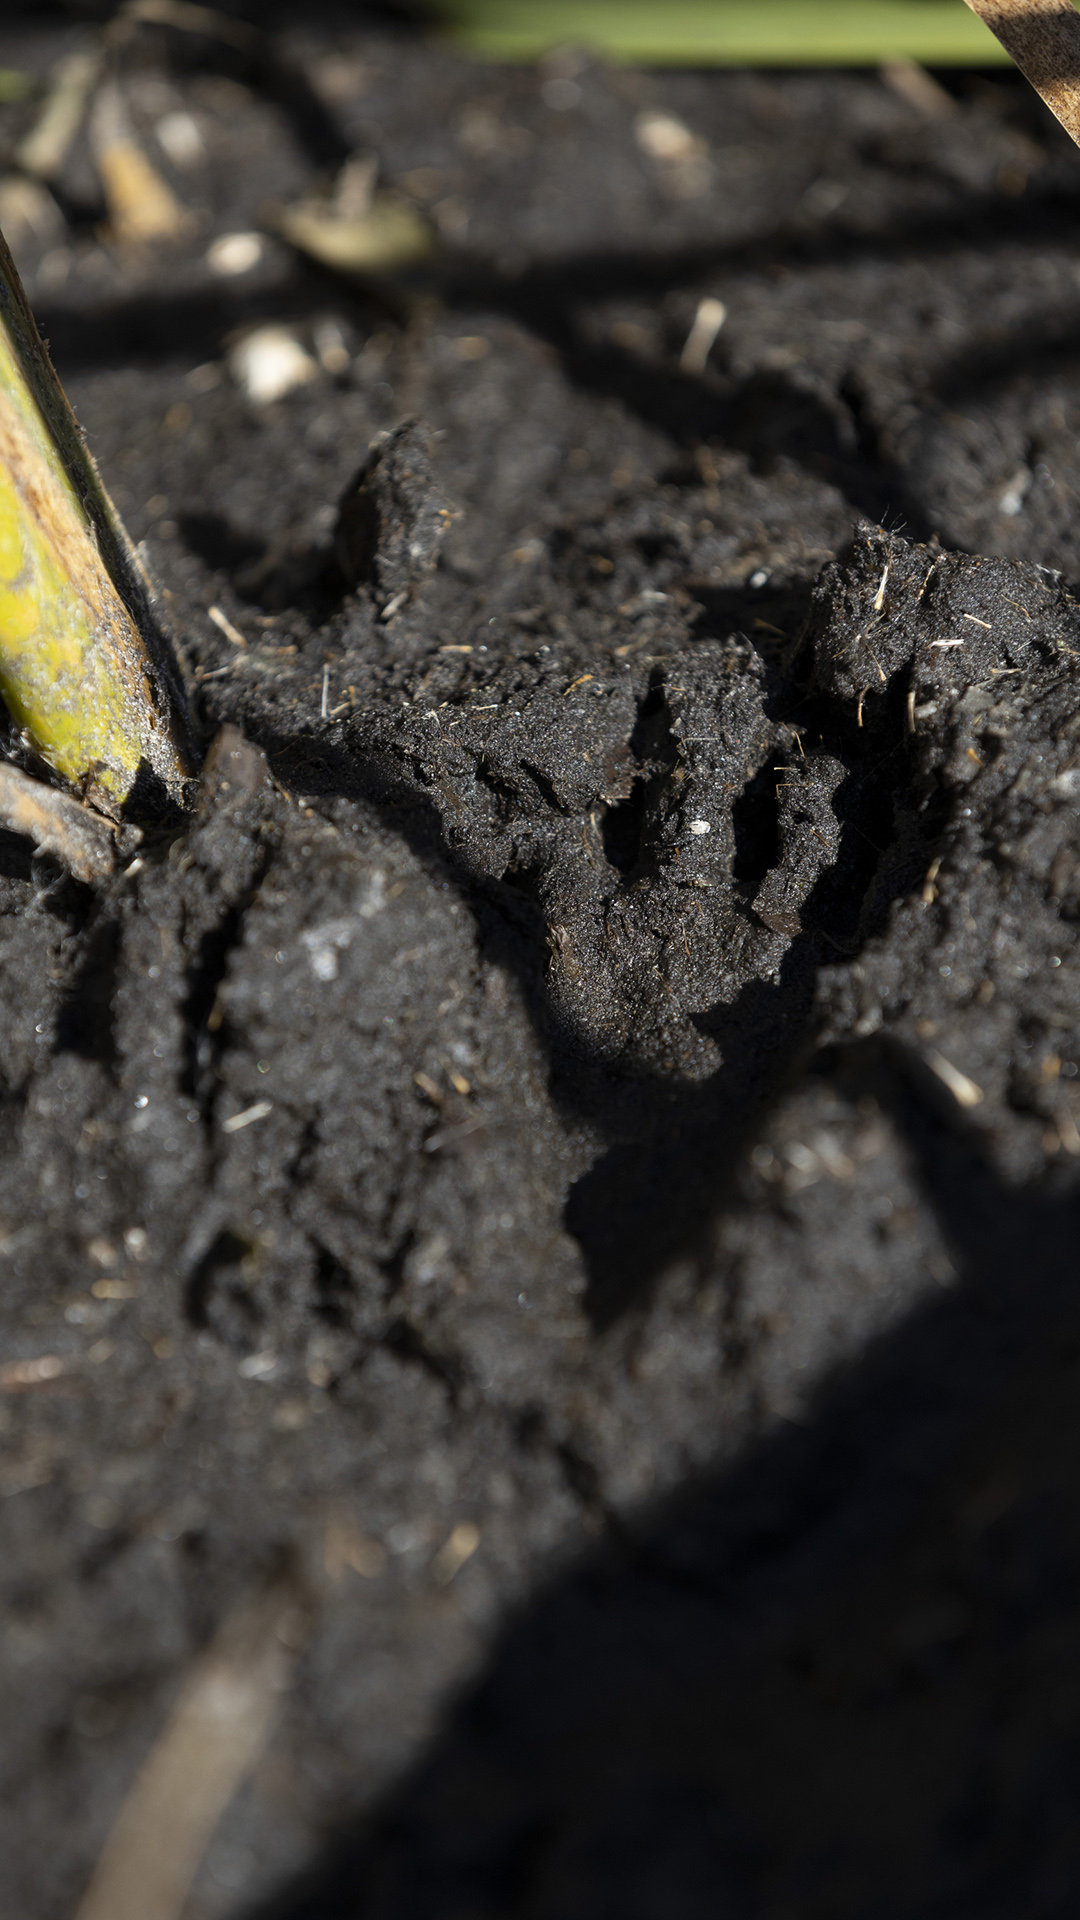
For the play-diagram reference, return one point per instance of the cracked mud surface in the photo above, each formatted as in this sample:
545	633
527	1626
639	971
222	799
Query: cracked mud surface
597	1071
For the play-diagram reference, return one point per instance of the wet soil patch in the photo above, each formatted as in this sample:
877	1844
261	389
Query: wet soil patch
567	1162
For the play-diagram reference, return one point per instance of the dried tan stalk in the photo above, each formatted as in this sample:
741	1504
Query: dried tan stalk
57	823
1043	37
207	1747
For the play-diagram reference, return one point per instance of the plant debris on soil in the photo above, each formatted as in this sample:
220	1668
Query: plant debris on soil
567	1167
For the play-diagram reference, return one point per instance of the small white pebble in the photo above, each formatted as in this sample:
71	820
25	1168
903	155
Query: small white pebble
1011	499
701	826
180	137
270	363
258	1366
802	1157
663	137
234	253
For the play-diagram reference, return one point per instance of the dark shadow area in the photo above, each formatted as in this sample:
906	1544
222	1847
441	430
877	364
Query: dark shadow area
286	574
755	818
85	1021
155	328
769	416
335	1287
148	802
239	49
220	1291
772	617
403	1339
835	908
837	1679
620	829
16	856
1042	349
203	1022
652	1198
222	546
989	222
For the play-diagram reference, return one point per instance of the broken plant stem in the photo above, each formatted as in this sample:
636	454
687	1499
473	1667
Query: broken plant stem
59	825
85	672
1043	37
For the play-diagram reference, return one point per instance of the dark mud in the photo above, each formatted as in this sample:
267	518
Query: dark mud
569	1161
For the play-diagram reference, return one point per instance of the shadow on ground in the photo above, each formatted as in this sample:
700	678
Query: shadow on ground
840	1679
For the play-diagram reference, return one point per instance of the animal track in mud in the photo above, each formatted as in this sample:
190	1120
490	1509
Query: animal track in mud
716	1033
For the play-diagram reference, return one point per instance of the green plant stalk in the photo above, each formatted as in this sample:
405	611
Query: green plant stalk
786	33
85	672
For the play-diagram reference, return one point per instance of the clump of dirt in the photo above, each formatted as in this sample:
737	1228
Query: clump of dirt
578	1128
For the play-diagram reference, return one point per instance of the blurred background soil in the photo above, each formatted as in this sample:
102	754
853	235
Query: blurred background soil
559	1184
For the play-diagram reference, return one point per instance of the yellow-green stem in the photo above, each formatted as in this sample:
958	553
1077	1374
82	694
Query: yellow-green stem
84	670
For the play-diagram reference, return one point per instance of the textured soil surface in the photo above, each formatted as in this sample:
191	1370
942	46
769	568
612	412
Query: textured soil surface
567	1166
